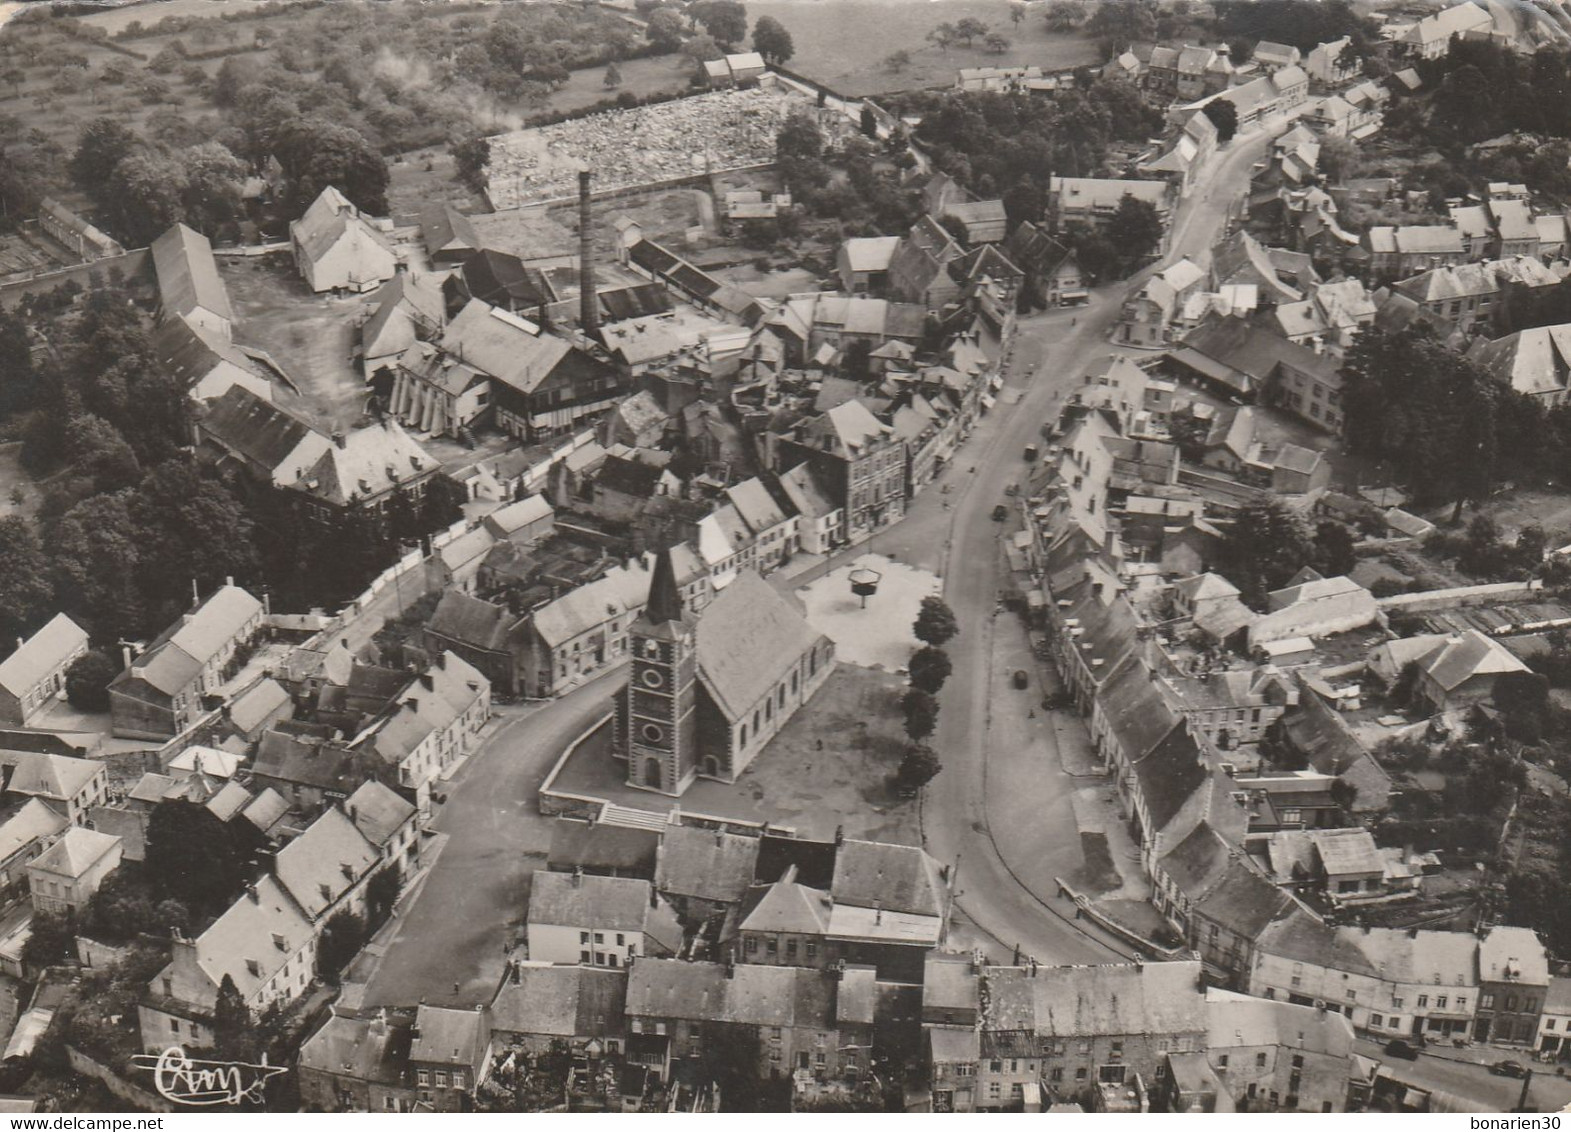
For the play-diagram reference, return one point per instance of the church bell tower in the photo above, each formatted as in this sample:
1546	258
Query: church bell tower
659	713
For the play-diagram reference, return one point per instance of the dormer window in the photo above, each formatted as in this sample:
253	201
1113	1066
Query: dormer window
278	941
254	968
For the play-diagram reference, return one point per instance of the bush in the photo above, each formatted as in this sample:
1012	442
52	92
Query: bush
87	681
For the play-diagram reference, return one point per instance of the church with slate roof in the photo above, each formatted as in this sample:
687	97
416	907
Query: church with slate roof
707	691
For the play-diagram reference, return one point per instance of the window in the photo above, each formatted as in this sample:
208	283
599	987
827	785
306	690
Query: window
458	1078
620	940
174	1025
751	945
1260	1061
1377	1020
790	948
1298	1061
772	945
441	1078
812	948
995	1066
423	1076
583	957
1423	1001
1440	1002
583	937
600	937
1222	1061
1056	1074
1080	1074
1486	1002
1396	1001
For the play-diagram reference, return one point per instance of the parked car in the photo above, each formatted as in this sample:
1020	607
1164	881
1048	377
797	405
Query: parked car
1020	678
1000	513
1401	1049
1508	1069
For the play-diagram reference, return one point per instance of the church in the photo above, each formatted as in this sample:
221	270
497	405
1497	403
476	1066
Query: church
706	691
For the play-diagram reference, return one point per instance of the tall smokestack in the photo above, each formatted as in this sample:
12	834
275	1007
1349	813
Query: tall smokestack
588	301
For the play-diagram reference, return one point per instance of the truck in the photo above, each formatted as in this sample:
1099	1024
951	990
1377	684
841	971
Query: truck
1030	453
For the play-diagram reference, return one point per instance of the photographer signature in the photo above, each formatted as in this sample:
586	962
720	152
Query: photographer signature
189	1081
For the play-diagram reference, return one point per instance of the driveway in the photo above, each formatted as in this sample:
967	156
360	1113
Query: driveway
454	930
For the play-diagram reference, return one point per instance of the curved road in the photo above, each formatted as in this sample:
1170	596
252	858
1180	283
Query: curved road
981	775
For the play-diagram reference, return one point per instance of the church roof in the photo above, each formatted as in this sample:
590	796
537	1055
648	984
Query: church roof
749	637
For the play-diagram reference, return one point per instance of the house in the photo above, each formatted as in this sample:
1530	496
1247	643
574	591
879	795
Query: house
918	271
707	691
189	286
1461	671
1555	1026
1397	252
160	694
1315	607
1332	63
820	520
23	836
1278	1056
1431	36
435	721
364	469
704	872
542	1007
499	279
326	868
1466	295
605	849
405	310
1242	259
450	1056
268	442
1274	56
790	1015
358	1064
388	823
1513	980
585	631
1147	316
448	235
1092	201
338	248
862	264
33	675
980	221
485	634
522	522
1536	361
65	876
69	230
1079	1027
69	786
599	921
1248	361
207	364
1318	733
264	944
858	457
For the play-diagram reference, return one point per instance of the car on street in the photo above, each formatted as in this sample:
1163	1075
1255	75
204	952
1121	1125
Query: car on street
1508	1069
1020	678
1401	1049
1000	513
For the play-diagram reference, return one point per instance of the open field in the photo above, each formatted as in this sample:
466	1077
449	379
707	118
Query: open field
843	43
117	19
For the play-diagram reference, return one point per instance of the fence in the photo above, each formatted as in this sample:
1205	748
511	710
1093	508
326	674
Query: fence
1459	596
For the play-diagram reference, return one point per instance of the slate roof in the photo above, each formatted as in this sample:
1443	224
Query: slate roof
787	906
898	878
52	776
472	621
377	812
41	654
707	864
267	929
503	280
1512	954
75	853
613	903
1457	660
748	638
250	708
506	521
596	847
870	253
562	1002
326	861
361	1049
750	995
32	822
258	429
188	278
450	1036
1095	1001
190	351
331	218
578	611
443	228
1169	774
370	460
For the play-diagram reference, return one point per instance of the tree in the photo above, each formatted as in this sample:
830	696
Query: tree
772	40
470	155
1118	24
799	139
1224	116
1134	230
342	937
869	121
194	857
87	681
969	28
105	142
921	714
929	668
381	893
726	20
1338	158
144	193
944	36
1064	15
53	941
665	29
701	49
919	767
935	622
1334	554
232	1031
996	42
613	77
26	593
897	60
1268	543
1017	12
316	153
214	178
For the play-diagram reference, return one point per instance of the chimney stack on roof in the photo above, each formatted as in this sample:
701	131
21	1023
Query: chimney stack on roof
588	300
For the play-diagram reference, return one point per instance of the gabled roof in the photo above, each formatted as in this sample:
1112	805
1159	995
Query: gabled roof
264	927
502	279
707	864
369	461
1169	773
250	708
191	351
33	822
188	278
331	219
1459	659
1095	1001
41	654
623	904
896	878
746	993
472	621
561	1001
450	1036
52	776
748	638
444	228
505	521
378	813
787	906
260	430
870	253
326	861
600	846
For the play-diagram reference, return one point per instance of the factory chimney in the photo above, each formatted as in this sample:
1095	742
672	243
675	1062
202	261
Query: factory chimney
588	300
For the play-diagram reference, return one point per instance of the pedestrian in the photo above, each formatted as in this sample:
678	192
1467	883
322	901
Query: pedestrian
820	744
1031	714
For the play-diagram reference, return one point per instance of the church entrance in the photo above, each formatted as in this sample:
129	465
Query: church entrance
652	772
712	766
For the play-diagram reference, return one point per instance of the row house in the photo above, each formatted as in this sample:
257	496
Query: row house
542	1007
1278	1057
1405	250
450	1055
585	631
1091	201
1467	296
435	721
801	1021
1430	37
859	457
599	921
64	877
1188	72
1536	361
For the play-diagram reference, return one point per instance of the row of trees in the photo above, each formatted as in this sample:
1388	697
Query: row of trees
929	668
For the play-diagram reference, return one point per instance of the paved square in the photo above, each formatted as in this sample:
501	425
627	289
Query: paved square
879	636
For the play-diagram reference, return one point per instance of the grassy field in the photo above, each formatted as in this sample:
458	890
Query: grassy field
843	43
